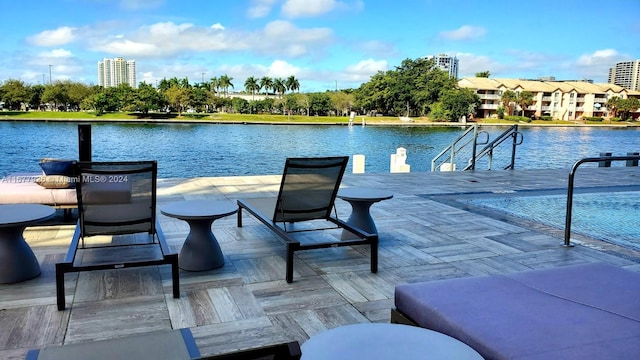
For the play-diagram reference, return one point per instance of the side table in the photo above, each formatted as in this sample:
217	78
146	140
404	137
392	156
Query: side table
361	200
373	341
201	250
17	260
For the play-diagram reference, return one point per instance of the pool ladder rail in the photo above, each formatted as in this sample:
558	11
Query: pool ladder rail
472	138
631	159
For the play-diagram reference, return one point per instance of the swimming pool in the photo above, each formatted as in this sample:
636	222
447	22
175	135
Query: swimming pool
613	217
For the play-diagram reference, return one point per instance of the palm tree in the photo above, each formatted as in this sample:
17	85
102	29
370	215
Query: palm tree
251	85
507	98
613	105
279	86
266	83
215	84
225	83
524	99
292	83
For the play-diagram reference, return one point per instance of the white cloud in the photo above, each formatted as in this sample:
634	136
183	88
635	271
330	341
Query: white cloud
130	48
56	53
217	26
378	48
363	70
307	8
60	36
281	68
278	38
596	65
260	8
599	57
470	64
465	32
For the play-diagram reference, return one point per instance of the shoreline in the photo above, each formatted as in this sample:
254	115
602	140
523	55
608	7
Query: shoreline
323	123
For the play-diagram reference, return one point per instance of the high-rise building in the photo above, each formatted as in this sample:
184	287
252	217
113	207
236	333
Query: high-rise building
626	74
446	63
113	72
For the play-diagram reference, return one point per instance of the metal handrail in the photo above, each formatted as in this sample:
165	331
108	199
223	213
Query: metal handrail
488	149
567	226
452	147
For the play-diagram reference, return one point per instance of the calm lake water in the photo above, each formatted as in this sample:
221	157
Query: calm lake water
191	150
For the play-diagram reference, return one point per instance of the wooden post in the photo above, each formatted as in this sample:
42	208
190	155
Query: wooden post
84	142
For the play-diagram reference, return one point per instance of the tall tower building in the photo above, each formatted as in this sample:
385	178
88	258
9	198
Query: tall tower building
446	63
626	74
113	72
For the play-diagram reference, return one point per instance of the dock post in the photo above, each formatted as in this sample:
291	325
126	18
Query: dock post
84	142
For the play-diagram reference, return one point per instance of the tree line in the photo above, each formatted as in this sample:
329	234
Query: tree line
415	88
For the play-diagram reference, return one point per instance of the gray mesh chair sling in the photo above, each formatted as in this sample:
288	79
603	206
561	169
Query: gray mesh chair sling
307	192
116	199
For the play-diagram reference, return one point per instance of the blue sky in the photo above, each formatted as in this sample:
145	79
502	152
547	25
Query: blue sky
321	42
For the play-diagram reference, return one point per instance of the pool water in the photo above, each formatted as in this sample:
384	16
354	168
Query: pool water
613	217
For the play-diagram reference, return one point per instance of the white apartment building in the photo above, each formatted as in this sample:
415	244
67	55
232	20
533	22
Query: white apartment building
626	74
563	100
113	72
446	63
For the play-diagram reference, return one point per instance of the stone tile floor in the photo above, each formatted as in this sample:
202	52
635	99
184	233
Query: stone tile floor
247	303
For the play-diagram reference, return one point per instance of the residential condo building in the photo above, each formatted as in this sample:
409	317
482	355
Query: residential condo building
446	63
113	72
562	100
626	74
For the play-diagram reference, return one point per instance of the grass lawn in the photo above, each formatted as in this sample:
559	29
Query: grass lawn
262	118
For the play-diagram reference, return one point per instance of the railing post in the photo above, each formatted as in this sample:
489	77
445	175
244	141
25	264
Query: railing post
604	162
84	142
607	158
632	162
475	145
513	147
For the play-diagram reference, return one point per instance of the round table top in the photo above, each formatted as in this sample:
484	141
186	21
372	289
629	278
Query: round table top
199	209
24	214
364	194
385	341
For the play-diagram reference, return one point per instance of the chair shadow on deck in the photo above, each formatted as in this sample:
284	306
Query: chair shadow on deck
307	193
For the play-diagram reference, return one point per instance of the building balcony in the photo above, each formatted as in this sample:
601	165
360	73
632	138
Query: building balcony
546	98
489	106
489	96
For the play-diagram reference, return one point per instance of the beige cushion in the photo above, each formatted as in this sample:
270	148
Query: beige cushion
54	181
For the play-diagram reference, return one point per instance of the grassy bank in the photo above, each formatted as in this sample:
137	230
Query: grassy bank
263	119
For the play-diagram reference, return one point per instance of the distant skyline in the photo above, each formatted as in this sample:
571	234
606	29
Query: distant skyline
323	43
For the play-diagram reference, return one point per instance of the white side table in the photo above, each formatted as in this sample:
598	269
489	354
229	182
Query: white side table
374	341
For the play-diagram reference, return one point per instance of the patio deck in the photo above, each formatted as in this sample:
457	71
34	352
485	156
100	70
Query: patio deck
247	303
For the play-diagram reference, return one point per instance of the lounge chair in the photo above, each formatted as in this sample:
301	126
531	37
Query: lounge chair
116	199
307	192
177	344
283	351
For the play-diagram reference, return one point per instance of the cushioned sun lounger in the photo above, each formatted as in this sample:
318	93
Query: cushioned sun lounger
587	311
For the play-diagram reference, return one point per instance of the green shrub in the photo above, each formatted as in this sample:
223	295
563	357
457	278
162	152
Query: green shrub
517	118
616	119
594	118
546	117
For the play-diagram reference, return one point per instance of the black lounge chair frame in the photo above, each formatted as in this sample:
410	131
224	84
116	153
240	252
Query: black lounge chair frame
90	176
296	187
282	351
